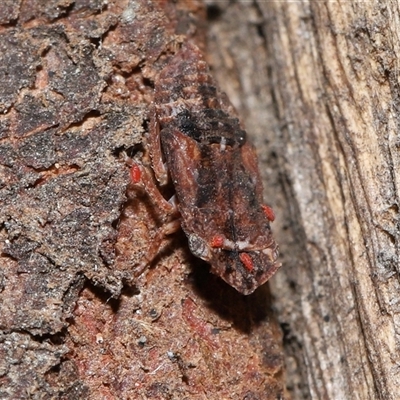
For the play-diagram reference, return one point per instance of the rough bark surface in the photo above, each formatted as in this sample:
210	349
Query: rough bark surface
320	82
76	84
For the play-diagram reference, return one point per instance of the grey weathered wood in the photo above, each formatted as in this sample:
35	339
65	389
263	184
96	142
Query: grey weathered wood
318	84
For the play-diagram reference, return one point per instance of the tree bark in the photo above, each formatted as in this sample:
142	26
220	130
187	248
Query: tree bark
76	88
318	83
317	86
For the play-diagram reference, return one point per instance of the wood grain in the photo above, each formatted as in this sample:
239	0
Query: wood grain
318	84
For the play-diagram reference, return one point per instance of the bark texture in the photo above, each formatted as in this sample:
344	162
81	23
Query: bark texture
319	81
76	85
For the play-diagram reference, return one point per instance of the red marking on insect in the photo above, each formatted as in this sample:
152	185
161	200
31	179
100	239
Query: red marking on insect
136	173
269	212
217	241
247	261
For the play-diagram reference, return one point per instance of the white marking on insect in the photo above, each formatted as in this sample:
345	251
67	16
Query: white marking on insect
222	144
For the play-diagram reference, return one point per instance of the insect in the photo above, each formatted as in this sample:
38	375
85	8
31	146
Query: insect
213	168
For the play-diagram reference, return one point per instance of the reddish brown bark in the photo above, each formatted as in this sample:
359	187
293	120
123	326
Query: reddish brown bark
76	84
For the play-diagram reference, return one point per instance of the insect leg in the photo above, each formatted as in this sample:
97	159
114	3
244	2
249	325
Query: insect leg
141	178
154	146
156	243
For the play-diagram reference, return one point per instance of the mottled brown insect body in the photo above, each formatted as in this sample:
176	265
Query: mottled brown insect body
214	171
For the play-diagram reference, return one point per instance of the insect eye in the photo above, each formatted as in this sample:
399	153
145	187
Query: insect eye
199	247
